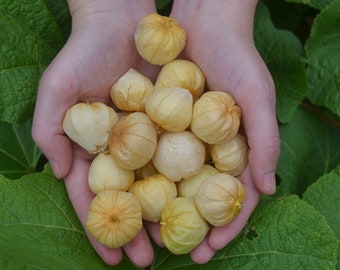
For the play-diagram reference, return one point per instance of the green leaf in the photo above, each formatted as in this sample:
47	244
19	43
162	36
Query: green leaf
322	49
290	16
30	38
318	4
160	4
284	233
61	14
325	197
310	147
19	155
283	54
39	229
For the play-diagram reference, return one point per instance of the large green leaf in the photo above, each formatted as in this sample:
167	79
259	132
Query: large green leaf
324	195
18	153
30	38
39	229
310	147
283	54
322	49
285	233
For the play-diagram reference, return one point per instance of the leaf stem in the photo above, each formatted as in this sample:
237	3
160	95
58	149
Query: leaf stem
313	109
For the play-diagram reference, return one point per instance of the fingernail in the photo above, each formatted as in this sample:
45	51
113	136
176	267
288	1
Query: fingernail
269	183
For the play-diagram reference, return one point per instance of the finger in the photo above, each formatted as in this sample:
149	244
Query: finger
81	197
259	119
154	231
202	253
219	237
140	250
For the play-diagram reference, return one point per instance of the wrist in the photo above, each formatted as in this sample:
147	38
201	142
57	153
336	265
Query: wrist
237	15
83	10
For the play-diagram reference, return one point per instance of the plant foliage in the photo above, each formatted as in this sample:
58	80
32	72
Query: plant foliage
298	228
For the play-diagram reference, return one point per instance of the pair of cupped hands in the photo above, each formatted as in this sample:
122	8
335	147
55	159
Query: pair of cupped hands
101	48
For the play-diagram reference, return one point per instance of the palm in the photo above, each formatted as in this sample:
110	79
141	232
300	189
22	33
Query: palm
92	60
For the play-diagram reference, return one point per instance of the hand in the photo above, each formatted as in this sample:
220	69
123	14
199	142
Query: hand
220	41
99	50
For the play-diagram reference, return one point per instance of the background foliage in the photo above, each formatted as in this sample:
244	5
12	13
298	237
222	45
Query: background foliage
298	228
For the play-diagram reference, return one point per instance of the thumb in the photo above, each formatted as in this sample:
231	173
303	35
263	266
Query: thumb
261	127
47	130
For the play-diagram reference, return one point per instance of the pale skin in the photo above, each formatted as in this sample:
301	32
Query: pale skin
100	50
